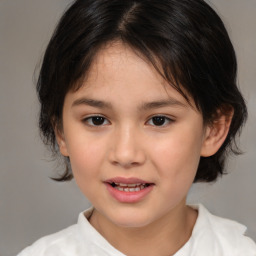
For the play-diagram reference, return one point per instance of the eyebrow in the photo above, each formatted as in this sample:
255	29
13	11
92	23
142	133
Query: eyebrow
144	106
162	103
92	103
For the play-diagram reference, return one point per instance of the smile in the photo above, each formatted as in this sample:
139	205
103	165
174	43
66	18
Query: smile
129	187
128	190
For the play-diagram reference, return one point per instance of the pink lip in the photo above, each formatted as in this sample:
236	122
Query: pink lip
128	197
124	180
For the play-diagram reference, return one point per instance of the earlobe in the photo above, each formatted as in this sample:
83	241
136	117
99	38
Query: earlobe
216	133
61	142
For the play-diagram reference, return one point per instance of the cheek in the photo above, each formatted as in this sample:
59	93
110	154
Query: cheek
86	162
176	162
86	157
178	156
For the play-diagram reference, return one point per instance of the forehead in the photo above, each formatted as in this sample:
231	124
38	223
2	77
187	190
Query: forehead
119	71
116	60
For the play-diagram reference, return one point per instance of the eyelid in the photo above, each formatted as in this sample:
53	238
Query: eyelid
167	118
86	118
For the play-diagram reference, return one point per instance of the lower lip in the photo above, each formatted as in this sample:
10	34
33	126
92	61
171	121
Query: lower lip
128	197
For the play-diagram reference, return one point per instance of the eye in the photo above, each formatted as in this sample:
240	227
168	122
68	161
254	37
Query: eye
96	121
159	121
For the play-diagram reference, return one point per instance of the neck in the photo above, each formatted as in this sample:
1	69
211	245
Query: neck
162	237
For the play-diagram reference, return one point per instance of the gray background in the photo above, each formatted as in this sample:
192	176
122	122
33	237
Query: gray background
31	205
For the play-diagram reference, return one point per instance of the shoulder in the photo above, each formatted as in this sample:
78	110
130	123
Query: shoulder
66	242
224	236
78	240
52	244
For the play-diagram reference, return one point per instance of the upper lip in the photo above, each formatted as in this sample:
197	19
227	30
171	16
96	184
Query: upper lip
131	180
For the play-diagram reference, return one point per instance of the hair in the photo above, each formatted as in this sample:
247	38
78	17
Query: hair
186	42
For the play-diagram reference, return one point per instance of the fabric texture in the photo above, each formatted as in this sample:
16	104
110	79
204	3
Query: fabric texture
211	236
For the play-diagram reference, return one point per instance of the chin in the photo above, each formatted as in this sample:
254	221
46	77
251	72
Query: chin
128	219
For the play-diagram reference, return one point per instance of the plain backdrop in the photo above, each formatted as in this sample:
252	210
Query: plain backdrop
32	205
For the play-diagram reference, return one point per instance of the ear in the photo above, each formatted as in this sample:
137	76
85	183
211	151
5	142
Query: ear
216	132
59	134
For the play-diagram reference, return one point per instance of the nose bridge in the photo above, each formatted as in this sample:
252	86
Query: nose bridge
127	149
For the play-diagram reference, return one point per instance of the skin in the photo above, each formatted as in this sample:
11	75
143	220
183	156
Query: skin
121	87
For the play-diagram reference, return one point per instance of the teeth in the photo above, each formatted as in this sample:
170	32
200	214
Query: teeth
132	185
129	187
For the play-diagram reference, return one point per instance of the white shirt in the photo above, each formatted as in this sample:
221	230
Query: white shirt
211	236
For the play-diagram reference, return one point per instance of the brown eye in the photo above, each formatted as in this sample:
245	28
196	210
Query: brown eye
96	121
159	121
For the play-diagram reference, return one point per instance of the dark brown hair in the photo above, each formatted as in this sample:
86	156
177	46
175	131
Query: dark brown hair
186	37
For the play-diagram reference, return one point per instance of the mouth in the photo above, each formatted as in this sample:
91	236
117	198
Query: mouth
128	190
136	187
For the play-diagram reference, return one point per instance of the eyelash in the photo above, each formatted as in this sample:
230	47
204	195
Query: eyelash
89	121
162	118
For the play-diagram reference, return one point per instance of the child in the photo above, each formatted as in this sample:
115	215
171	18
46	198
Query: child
140	98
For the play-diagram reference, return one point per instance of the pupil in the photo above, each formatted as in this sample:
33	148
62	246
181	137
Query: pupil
98	120
158	120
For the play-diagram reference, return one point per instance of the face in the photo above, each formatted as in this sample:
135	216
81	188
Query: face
133	141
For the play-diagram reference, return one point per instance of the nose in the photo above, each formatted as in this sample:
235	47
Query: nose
127	148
